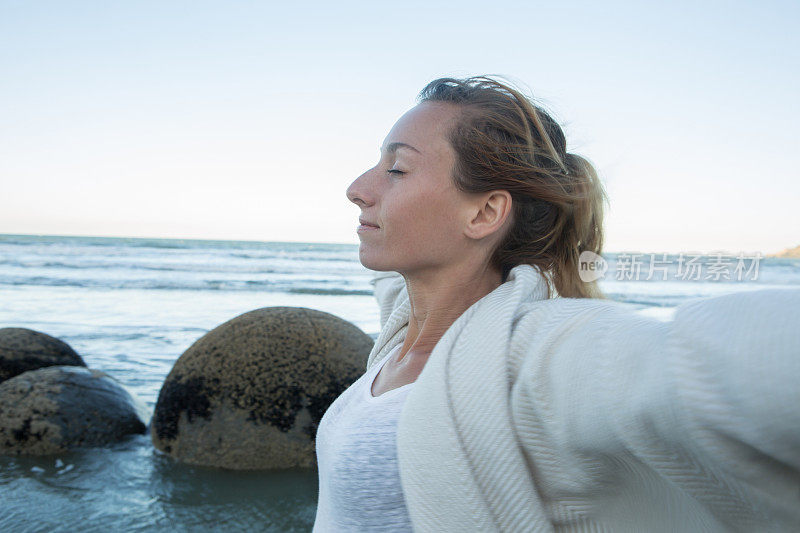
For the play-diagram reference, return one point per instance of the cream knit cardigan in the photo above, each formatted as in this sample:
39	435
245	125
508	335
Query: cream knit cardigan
564	414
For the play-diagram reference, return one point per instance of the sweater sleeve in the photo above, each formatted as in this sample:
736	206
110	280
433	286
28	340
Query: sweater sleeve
736	368
389	289
712	394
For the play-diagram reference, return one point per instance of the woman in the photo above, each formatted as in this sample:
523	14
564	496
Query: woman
503	394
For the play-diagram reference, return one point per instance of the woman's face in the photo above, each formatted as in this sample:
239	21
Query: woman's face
412	215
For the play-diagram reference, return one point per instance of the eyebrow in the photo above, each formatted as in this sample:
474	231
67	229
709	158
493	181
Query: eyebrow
392	147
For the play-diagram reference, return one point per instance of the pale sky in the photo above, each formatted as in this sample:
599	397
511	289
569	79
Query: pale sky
248	120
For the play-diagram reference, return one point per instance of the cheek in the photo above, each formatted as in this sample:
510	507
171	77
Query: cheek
442	207
427	217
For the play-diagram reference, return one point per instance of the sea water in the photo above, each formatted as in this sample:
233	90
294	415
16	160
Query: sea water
131	307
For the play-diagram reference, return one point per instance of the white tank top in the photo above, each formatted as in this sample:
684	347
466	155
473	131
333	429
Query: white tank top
359	481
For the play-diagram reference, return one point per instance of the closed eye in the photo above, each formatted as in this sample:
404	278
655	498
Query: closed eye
395	171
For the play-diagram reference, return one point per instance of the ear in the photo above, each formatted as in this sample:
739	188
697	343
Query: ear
490	212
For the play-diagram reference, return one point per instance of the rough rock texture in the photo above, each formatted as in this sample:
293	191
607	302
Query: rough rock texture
249	394
59	408
23	349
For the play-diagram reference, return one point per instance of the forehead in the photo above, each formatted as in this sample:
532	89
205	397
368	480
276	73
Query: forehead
425	127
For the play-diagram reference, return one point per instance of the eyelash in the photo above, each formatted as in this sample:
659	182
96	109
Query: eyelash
395	171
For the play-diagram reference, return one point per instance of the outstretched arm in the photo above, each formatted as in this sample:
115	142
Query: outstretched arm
738	375
709	400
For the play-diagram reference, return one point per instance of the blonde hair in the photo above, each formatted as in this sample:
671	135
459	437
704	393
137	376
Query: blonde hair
503	140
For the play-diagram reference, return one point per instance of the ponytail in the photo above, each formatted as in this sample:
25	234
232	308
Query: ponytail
502	140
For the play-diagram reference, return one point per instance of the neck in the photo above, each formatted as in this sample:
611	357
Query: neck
438	298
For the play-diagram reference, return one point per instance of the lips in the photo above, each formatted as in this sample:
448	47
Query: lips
365	223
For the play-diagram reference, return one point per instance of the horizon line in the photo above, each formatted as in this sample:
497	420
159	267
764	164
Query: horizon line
714	252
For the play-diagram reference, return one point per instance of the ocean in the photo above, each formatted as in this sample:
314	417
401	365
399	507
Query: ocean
130	307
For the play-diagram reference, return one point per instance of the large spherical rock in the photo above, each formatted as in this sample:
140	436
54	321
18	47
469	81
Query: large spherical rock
250	393
23	349
59	408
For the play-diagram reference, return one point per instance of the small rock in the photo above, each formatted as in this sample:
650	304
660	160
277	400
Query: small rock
24	349
59	408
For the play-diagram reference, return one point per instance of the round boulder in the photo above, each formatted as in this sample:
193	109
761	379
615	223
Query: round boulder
60	408
23	349
249	394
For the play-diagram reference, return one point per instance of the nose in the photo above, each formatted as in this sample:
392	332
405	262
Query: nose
358	191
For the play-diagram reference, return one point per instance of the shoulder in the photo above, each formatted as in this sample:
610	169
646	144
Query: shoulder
569	336
557	314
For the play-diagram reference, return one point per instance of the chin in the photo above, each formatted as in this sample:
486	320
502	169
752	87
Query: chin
373	262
